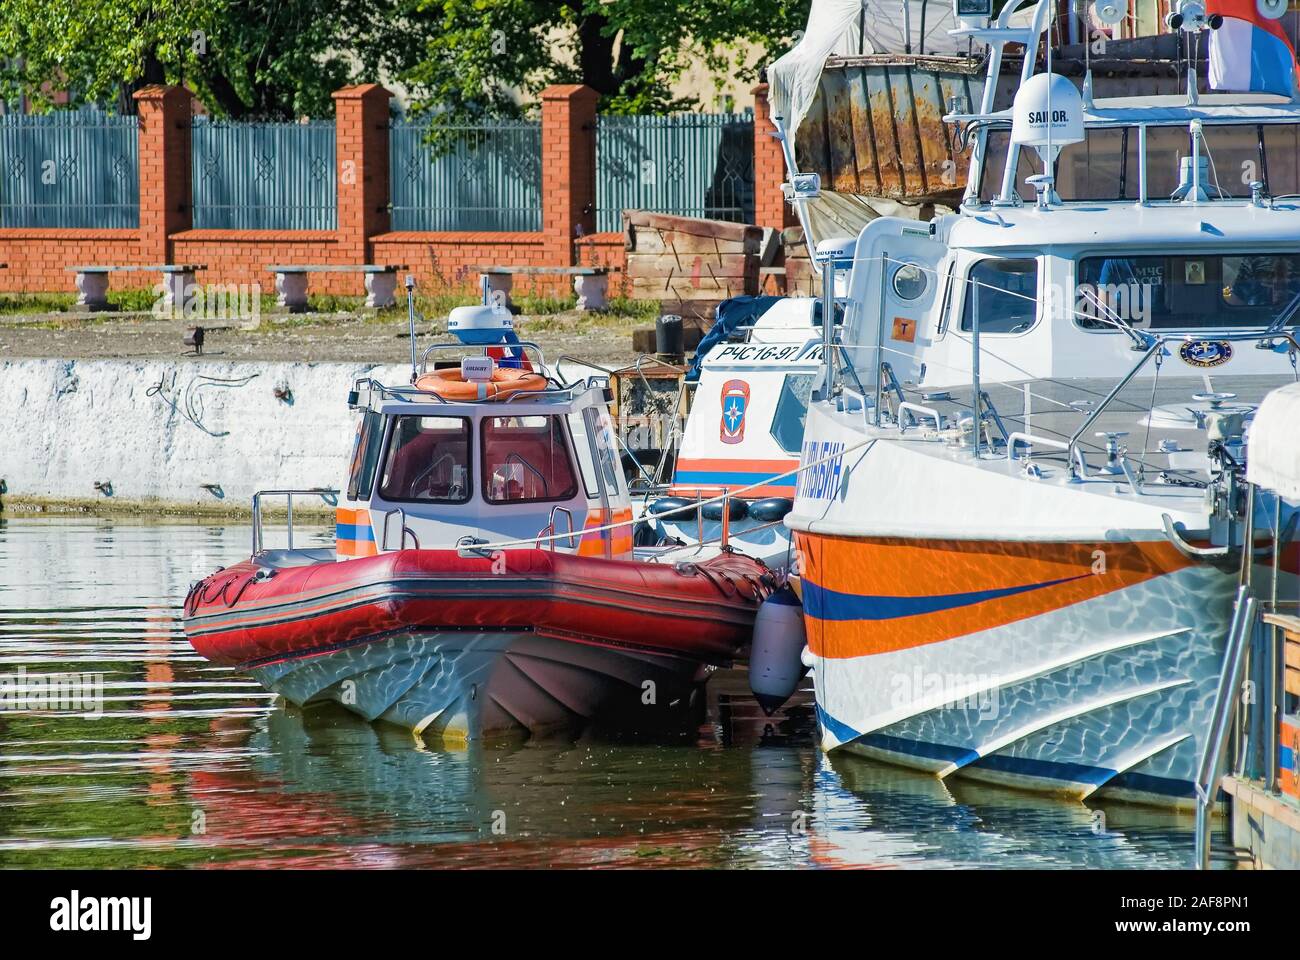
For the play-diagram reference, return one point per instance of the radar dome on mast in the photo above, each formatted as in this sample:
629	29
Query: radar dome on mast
1046	115
1048	111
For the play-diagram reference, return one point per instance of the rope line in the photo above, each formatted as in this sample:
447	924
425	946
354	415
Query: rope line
533	541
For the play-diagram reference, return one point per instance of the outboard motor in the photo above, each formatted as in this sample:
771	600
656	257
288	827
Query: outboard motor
776	654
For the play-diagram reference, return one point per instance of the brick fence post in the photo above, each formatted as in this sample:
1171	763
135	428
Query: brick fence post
568	169
770	208
166	191
361	168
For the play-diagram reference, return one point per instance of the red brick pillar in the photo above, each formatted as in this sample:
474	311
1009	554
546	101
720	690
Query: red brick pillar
770	208
361	168
166	192
568	169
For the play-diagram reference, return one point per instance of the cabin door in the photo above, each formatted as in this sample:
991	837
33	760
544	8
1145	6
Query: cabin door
910	289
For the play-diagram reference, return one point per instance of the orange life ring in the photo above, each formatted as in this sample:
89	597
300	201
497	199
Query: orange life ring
505	381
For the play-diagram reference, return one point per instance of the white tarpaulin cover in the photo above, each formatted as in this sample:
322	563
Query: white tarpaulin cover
1273	454
850	28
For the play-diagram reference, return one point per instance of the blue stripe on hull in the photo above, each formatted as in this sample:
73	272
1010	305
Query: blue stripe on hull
353	531
824	604
1069	773
731	477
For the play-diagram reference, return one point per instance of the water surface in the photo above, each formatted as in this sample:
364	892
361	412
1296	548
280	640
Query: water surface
191	765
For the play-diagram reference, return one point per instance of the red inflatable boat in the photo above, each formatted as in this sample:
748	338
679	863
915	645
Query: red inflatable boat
483	578
463	647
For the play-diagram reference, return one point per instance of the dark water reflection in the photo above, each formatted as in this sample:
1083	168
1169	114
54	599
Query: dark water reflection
190	765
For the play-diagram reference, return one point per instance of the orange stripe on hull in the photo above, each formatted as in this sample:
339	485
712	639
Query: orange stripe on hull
356	548
593	544
869	596
726	464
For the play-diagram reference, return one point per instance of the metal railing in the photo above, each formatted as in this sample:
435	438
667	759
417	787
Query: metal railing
406	531
69	169
1227	701
696	164
263	176
548	532
1074	454
328	494
485	176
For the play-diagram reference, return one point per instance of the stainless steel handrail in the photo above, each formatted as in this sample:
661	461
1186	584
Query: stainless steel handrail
383	535
328	494
457	345
1153	350
907	406
550	531
1213	760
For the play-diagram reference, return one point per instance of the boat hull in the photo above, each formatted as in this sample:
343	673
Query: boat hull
462	648
1076	669
469	685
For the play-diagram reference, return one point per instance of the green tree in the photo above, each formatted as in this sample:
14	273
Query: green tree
283	58
244	58
487	52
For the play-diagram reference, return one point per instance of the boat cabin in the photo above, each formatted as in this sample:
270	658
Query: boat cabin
1160	219
749	405
432	472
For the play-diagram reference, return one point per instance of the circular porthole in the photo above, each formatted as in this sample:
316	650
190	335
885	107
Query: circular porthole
910	281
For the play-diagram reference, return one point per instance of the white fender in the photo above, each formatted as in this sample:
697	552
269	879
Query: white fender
775	659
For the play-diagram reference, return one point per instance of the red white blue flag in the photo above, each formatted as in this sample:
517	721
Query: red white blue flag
1250	52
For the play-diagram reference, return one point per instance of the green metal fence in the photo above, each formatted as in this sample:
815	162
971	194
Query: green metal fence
695	165
466	177
264	176
69	169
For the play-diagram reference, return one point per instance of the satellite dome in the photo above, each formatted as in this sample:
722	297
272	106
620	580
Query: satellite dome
1048	109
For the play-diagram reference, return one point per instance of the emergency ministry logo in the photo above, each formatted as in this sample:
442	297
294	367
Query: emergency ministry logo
735	400
1205	353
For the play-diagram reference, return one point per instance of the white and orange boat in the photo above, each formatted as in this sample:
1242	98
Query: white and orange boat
1019	565
748	397
483	580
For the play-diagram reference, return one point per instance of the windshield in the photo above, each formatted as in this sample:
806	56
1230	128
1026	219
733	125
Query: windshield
527	459
1105	164
1186	291
428	460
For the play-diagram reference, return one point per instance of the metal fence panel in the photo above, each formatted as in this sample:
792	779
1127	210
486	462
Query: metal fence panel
695	165
466	177
264	176
69	169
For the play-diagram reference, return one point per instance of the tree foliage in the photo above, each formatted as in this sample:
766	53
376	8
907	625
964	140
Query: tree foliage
283	58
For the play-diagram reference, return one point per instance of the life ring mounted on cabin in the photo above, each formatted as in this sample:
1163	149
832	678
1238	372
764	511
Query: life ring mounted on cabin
506	381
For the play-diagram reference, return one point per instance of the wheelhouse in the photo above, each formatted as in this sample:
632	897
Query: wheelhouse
428	472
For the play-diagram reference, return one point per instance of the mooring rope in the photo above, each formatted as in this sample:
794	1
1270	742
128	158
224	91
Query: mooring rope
534	541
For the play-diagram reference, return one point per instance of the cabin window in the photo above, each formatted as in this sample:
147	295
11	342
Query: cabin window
602	433
1186	291
1105	164
910	281
792	411
527	459
365	456
1005	293
585	451
946	310
428	461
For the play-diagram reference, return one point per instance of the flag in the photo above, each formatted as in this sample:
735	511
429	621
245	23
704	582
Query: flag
1249	52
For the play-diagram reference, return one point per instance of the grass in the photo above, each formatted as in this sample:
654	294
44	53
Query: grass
17	304
543	311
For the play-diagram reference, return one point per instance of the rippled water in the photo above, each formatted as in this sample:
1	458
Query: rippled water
191	765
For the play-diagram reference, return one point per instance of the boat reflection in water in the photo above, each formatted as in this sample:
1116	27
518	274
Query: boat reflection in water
327	789
190	765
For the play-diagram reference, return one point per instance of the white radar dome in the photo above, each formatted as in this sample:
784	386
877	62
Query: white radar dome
1048	109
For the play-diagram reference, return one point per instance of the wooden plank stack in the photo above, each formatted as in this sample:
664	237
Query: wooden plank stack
1288	729
688	264
801	278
